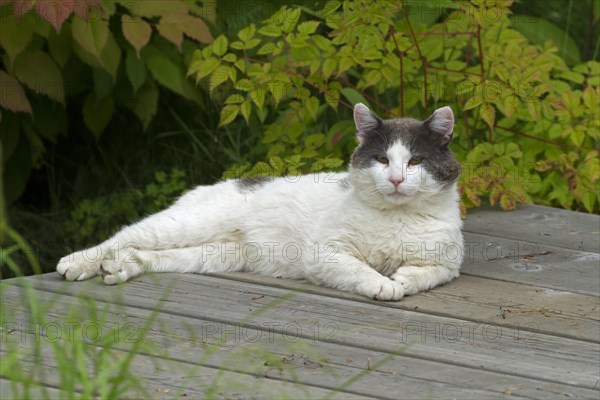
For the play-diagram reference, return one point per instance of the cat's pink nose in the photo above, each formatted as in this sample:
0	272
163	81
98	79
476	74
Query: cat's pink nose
396	182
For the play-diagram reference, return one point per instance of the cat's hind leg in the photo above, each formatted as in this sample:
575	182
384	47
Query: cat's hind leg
202	215
211	257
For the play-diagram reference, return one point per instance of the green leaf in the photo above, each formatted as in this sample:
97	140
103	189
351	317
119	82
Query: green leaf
488	114
329	66
588	200
14	36
136	31
165	71
542	31
49	118
13	96
354	97
245	85
145	103
345	64
247	33
20	165
237	45
534	109
103	83
97	114
203	68
270	30
156	8
329	8
267	48
513	150
577	136
509	104
110	58
60	44
473	102
41	74
235	98
219	46
246	108
218	77
290	19
91	35
312	106
308	27
229	113
136	70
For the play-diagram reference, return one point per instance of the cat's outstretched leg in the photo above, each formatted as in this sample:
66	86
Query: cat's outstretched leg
348	273
416	279
202	215
212	257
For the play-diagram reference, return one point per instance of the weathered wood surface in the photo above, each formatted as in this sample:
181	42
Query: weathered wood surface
524	324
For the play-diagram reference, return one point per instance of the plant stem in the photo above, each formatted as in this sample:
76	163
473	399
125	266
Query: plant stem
423	61
401	57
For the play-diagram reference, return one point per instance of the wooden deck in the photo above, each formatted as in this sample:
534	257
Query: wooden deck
523	320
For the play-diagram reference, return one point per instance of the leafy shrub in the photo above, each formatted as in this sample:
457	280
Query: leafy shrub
96	219
527	126
63	58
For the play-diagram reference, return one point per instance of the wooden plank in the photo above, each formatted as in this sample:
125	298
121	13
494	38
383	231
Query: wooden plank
334	362
538	224
531	263
167	378
485	301
15	390
367	326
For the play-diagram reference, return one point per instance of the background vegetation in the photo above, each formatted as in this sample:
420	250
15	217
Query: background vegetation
110	109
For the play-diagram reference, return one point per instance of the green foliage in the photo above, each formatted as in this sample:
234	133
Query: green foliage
527	124
93	220
116	54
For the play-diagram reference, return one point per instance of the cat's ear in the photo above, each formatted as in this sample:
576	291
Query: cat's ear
365	121
441	123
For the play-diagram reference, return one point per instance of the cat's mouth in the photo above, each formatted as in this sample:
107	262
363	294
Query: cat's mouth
396	193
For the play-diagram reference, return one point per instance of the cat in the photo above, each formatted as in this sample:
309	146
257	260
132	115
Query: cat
388	227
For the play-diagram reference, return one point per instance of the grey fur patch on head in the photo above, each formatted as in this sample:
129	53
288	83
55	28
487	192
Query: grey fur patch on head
424	139
253	183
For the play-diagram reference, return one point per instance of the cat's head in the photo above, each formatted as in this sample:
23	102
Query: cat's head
400	161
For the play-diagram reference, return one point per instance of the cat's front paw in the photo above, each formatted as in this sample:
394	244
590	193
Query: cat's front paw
384	289
80	265
115	271
407	280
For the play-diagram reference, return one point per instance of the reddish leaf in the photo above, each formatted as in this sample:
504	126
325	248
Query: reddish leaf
136	31
55	12
170	28
20	7
13	95
196	29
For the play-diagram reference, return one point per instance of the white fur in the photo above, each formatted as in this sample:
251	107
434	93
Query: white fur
298	227
370	237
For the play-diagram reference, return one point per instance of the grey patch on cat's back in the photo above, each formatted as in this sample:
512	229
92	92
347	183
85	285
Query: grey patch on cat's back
345	184
251	184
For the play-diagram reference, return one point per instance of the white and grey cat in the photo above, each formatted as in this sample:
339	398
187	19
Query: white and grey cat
390	226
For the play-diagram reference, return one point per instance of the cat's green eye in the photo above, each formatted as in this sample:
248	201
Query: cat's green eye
382	159
415	161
